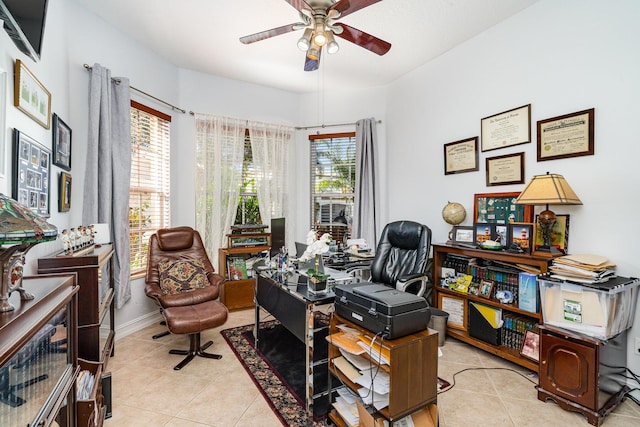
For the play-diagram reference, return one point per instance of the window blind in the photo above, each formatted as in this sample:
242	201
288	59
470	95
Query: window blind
149	193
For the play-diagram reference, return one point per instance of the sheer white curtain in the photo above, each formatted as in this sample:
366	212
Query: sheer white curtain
219	157
366	216
271	147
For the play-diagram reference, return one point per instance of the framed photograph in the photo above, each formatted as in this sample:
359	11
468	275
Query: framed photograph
461	156
500	208
485	288
61	143
30	96
505	170
565	136
505	129
462	234
457	309
64	202
531	346
31	172
520	238
559	234
483	231
501	234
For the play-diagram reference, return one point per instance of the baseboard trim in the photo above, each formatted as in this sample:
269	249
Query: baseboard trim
137	324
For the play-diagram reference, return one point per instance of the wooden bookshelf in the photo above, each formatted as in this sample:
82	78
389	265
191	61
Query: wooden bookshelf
237	294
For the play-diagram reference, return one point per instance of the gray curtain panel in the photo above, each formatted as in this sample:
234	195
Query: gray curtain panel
106	185
365	217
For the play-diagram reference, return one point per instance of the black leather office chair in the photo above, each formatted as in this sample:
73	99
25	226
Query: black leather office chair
402	258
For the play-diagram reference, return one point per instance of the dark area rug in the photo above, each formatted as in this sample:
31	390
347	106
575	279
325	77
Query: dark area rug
278	369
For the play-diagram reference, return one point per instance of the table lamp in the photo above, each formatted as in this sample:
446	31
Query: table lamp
23	229
549	189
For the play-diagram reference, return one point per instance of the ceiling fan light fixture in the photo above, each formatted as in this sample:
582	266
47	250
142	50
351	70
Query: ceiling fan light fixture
319	35
332	45
305	41
313	52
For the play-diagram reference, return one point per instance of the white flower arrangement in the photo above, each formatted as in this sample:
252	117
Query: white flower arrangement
316	246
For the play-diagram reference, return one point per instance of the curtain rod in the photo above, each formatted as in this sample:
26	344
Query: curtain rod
173	107
327	126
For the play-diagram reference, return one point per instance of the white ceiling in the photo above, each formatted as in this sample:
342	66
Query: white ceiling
202	35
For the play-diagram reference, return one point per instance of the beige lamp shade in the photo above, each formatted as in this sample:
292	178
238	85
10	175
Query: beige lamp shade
549	189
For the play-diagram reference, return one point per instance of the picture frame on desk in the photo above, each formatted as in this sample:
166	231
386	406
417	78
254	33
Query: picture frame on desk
457	309
559	234
485	289
531	346
462	234
520	237
483	231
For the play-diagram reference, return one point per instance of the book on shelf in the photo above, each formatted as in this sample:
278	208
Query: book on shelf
237	269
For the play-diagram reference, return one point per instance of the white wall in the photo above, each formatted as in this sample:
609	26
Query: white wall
561	57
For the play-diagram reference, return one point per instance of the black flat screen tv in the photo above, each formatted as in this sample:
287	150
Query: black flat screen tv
24	22
277	235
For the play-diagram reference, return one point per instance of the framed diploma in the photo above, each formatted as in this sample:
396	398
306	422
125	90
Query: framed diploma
505	129
503	170
461	156
457	309
570	135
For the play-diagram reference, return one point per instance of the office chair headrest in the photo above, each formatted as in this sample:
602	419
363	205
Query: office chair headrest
175	239
405	234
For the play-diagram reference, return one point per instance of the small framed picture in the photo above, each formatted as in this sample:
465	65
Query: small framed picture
61	143
531	346
462	234
485	288
559	234
483	231
520	238
64	192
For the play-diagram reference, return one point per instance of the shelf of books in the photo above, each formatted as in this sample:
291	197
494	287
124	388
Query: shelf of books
491	297
236	266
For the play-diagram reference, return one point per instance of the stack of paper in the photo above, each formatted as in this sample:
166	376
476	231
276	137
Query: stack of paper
346	406
375	388
582	268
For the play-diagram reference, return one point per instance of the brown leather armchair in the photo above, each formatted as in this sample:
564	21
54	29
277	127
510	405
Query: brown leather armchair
192	311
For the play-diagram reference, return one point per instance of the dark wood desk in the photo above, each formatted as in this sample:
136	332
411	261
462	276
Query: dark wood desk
287	298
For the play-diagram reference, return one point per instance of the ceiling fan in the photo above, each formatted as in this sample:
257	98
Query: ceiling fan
319	24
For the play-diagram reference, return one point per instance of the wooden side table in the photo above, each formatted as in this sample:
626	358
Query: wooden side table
581	373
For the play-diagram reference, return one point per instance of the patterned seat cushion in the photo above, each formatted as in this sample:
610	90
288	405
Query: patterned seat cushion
182	276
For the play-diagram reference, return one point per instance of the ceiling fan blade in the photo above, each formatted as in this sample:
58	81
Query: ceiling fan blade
270	33
299	5
363	39
346	7
312	64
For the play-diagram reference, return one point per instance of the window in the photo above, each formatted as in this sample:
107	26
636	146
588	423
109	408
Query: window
248	211
333	182
149	185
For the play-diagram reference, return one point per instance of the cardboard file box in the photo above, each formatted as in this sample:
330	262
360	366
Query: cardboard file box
485	323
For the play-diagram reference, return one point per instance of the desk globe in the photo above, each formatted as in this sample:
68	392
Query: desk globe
453	213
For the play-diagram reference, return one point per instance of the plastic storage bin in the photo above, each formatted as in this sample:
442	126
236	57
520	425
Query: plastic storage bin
601	310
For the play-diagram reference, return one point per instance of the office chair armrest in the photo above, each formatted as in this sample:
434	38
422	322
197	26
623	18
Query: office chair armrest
404	282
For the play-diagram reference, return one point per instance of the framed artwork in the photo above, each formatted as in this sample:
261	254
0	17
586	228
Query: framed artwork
461	156
457	309
500	208
559	234
32	166
30	96
64	202
520	237
571	135
3	114
501	234
485	288
483	231
505	129
505	170
462	234
61	143
531	346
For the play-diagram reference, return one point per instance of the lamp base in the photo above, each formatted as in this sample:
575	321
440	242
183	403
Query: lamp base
548	249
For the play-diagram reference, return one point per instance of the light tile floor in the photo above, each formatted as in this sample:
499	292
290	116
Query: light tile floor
219	393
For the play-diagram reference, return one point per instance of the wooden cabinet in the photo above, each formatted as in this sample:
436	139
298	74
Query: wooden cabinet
582	373
96	324
237	294
441	252
38	354
412	370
